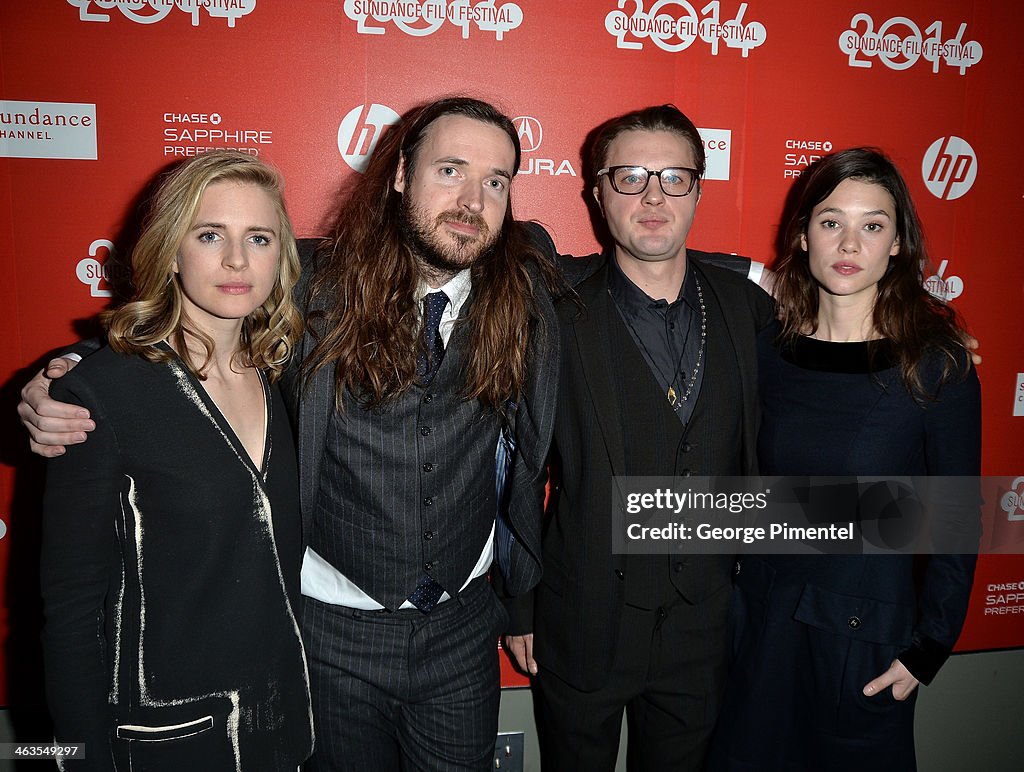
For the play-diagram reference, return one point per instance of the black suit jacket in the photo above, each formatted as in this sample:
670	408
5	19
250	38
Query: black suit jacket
575	610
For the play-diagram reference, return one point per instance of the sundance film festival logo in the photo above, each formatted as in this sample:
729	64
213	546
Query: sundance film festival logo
899	44
1018	396
47	130
1012	502
420	18
531	135
674	25
360	131
949	167
152	11
942	287
92	272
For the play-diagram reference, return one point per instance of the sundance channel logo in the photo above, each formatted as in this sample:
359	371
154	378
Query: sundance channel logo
47	130
717	153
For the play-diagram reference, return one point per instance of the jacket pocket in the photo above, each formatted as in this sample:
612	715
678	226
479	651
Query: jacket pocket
162	733
851	641
858	618
172	738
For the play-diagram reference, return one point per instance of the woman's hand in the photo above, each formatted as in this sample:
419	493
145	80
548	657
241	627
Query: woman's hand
898	677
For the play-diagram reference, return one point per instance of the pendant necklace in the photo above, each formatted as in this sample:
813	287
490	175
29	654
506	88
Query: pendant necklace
674	399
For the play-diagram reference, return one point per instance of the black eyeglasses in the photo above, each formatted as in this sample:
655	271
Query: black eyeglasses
632	180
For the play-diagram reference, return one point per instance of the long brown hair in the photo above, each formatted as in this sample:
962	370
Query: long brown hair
363	314
154	312
904	313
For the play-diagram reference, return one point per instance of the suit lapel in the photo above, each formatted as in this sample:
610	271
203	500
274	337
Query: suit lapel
315	407
736	321
591	330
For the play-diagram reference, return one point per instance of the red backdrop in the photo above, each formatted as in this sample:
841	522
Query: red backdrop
98	95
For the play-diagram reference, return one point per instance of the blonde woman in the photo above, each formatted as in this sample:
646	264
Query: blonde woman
172	539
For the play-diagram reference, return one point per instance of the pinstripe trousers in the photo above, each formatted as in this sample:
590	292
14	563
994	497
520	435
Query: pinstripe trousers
405	690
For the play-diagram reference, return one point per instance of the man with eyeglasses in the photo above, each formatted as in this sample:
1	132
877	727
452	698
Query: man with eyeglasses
658	377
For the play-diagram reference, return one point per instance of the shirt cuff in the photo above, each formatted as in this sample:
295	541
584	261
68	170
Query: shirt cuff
755	272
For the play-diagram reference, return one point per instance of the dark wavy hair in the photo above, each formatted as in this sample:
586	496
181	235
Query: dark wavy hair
364	316
905	314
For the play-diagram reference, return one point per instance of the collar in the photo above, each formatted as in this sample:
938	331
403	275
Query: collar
457	289
632	300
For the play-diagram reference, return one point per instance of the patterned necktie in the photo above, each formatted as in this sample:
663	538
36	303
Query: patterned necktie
428	592
428	360
426	595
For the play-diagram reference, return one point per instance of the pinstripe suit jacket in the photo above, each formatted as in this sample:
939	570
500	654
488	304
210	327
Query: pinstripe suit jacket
532	422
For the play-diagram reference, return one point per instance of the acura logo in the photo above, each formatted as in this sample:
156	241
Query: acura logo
530	132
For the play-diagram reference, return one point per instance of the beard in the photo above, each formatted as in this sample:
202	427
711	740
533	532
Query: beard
446	252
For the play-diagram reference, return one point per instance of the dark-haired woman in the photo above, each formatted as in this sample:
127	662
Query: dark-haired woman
863	374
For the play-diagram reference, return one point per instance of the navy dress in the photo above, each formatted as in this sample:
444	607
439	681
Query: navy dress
811	631
170	575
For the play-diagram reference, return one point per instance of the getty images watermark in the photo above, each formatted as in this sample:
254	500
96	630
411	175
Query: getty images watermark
813	515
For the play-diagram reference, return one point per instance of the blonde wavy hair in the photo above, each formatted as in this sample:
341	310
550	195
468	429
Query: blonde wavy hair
154	312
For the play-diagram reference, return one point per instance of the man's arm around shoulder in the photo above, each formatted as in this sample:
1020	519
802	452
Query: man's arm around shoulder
53	425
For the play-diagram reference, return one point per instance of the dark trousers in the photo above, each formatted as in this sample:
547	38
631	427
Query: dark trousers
668	675
405	690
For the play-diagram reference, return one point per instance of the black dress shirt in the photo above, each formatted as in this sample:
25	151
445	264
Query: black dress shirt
668	334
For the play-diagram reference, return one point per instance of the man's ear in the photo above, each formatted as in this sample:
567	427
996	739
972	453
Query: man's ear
596	193
399	183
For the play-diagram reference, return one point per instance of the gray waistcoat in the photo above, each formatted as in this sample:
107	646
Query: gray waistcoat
409	489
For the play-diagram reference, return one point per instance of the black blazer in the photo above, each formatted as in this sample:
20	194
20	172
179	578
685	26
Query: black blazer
574	612
159	533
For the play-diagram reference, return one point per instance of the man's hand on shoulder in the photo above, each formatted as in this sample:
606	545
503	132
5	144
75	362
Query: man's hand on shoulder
52	425
971	344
